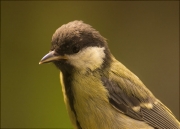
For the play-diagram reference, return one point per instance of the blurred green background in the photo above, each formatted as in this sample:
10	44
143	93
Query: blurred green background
144	36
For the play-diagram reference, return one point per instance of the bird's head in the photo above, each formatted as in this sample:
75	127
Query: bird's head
77	45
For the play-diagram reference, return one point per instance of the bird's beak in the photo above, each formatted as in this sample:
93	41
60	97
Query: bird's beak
51	56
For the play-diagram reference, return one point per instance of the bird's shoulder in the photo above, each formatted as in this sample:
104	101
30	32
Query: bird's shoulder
128	81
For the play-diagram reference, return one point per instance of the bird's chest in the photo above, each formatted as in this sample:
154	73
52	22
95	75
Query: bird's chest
90	101
88	106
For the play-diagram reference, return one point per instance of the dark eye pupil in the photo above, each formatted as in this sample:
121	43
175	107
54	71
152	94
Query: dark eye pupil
75	49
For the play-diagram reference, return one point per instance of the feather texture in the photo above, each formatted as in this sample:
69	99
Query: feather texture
123	87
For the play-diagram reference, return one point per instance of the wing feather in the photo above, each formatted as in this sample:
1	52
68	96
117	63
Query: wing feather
150	110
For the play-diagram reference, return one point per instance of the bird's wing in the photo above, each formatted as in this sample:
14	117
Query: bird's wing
125	97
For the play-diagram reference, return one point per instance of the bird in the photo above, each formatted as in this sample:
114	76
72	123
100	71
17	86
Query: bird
99	91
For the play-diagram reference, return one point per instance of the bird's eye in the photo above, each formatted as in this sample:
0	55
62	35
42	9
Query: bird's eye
75	48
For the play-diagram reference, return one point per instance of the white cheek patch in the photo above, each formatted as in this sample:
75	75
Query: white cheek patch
90	57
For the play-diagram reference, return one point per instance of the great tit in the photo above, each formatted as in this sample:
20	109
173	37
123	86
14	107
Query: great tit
99	91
